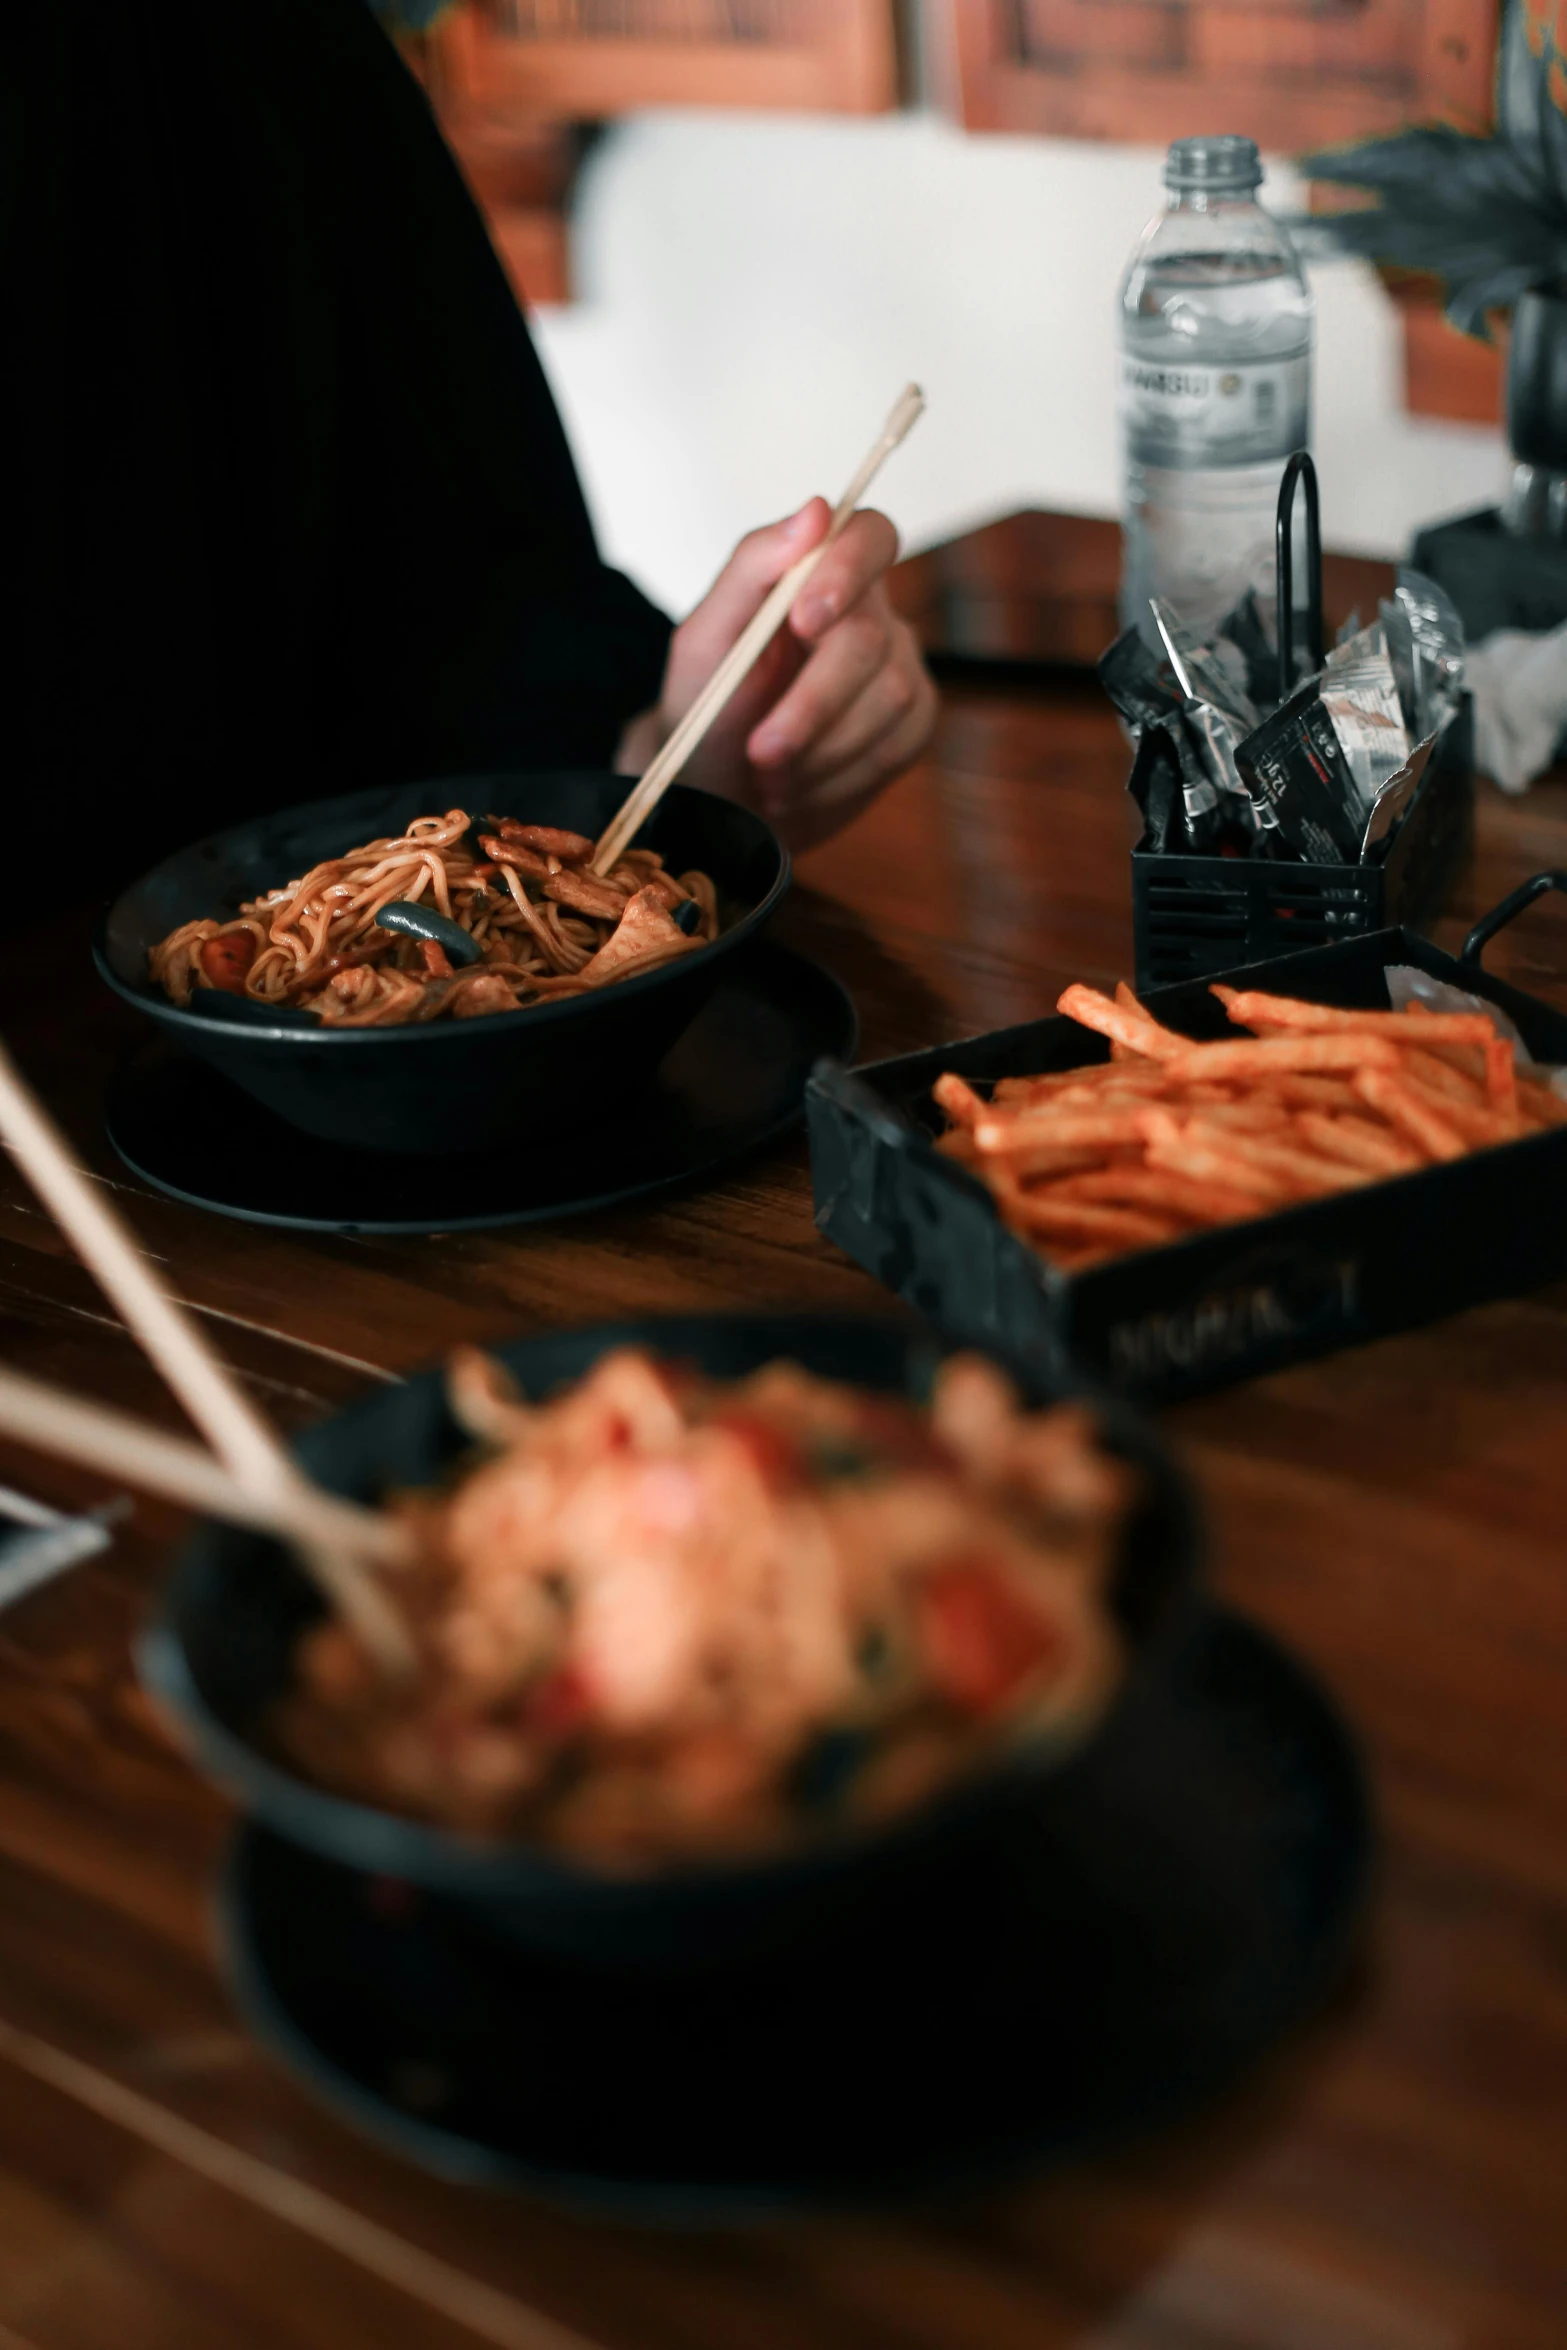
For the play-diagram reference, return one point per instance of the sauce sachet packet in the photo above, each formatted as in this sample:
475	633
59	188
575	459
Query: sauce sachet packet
1301	783
1360	695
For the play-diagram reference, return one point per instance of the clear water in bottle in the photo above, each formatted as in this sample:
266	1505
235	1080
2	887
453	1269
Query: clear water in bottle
1216	331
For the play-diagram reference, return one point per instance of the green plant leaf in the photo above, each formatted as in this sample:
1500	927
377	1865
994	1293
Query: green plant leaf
1475	213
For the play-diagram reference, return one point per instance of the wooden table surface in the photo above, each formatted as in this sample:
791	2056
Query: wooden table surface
1393	2179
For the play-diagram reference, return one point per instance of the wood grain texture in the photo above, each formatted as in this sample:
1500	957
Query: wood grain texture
1393	2179
1290	73
595	58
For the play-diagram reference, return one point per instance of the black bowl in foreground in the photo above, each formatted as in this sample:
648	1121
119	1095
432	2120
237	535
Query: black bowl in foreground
454	1085
218	1655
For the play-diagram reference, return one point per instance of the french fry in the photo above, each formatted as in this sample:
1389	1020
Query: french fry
1466	1073
1281	1011
1256	1057
1399	1103
1306	1171
1476	1123
1468	1059
962	1104
1071	1130
1299	1090
1086	1221
1145	1036
1045	1159
1006	1186
1128	1077
1160	1188
1040	1089
1538	1103
1260	1113
1214	1170
1120	1085
1420	1017
1185	1153
1358	1141
1441	1075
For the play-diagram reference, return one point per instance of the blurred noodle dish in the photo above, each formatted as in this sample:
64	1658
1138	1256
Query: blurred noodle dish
457	918
1170	1137
661	1616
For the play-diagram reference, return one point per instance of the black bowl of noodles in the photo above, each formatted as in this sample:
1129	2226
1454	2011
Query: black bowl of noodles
218	1656
446	1085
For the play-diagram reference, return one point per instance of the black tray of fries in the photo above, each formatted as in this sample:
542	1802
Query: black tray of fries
1173	1315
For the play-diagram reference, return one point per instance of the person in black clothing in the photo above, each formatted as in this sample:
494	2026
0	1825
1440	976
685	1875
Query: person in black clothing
290	506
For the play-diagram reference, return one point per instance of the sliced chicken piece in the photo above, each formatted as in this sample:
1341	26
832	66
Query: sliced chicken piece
513	853
645	933
584	893
483	992
546	840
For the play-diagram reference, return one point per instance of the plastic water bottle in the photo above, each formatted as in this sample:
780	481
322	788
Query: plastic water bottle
1216	329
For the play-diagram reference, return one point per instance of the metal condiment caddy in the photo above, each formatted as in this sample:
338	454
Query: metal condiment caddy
1196	915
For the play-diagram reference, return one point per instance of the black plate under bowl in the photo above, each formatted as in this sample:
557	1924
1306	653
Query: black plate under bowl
735	1080
220	1651
452	1085
1170	1902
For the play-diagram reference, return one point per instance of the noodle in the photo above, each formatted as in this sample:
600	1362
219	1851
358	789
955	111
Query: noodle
546	927
663	1614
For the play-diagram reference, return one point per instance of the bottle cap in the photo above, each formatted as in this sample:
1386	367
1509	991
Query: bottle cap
1224	164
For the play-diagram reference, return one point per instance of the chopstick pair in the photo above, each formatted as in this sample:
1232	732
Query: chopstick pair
749	646
248	1476
119	1444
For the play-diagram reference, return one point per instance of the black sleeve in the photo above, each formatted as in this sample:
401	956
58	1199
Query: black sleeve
297	510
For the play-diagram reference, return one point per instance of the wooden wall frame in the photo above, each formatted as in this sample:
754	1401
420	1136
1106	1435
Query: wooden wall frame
1290	73
574	57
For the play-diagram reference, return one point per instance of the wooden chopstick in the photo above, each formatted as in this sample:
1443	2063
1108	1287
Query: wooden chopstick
748	647
254	1456
181	1350
123	1447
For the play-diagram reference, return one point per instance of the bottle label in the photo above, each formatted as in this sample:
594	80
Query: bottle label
1192	415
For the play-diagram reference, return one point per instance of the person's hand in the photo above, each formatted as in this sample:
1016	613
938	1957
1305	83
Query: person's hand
837	706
